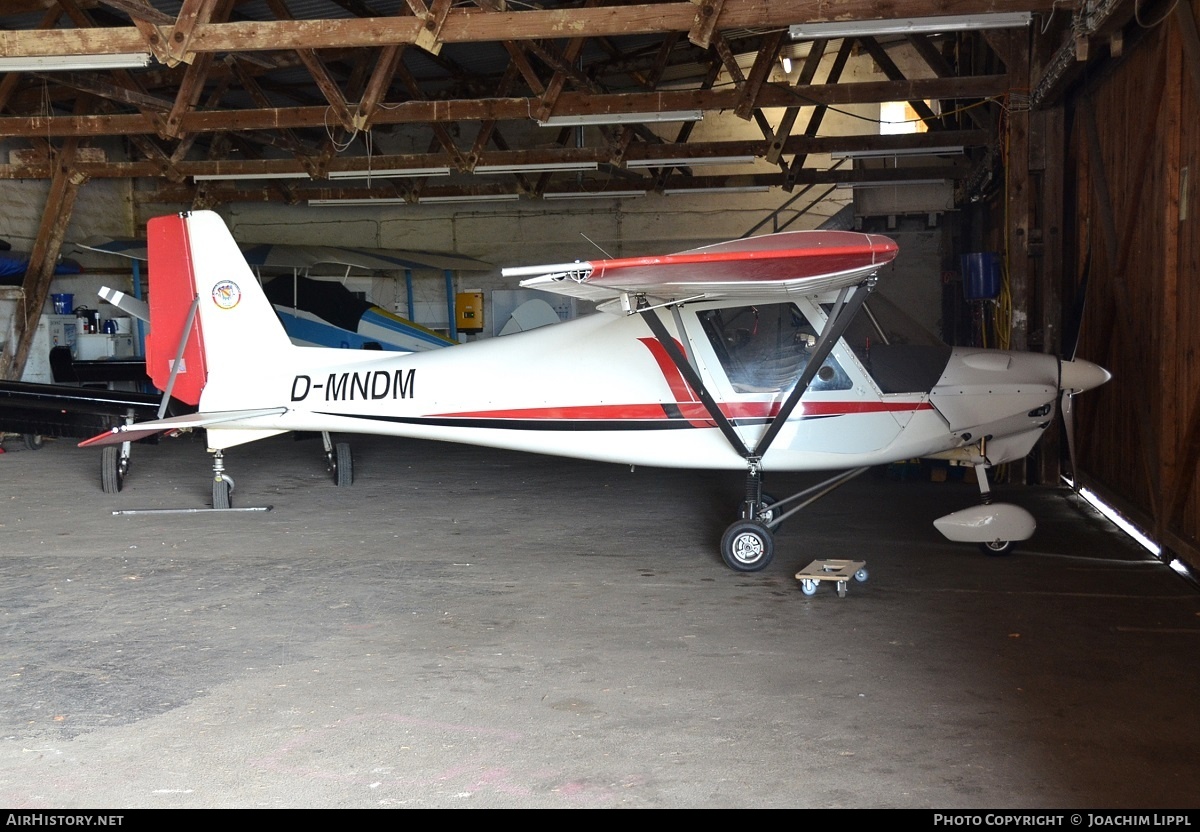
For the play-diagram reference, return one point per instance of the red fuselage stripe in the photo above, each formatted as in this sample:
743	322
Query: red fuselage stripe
692	411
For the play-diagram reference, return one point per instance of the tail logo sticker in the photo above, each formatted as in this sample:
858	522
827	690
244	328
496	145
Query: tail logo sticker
226	294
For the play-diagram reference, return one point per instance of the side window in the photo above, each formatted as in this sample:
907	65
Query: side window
764	348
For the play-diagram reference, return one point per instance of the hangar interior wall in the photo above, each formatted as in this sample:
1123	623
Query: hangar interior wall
1132	176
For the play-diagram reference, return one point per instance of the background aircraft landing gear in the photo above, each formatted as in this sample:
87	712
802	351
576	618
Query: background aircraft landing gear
339	460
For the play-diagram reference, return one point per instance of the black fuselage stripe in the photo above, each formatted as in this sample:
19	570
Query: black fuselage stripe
550	424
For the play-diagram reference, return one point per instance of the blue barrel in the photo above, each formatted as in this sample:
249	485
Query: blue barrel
981	275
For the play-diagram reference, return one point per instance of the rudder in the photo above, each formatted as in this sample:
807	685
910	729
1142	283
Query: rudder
193	257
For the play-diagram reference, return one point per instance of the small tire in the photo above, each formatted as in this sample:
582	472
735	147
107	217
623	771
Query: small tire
861	576
33	441
808	586
997	548
222	493
747	546
343	465
112	478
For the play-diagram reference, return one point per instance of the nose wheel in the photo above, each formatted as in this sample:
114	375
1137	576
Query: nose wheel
747	546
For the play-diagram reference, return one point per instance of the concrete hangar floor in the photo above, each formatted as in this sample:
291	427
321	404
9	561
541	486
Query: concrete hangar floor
473	628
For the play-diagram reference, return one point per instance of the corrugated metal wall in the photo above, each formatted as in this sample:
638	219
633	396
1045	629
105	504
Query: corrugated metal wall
1132	175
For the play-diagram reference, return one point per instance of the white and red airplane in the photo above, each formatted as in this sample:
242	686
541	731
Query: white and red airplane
757	355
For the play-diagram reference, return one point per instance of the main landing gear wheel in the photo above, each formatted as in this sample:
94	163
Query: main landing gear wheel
112	469
747	546
222	492
997	548
33	441
766	513
341	465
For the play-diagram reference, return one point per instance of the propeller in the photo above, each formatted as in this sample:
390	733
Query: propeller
1076	375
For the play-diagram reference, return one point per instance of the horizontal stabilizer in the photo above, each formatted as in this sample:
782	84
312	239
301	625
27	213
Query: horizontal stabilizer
126	303
132	433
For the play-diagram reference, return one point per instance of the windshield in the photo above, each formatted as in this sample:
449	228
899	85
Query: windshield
900	354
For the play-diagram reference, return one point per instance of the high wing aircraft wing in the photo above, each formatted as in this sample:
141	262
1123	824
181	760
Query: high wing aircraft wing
797	262
132	433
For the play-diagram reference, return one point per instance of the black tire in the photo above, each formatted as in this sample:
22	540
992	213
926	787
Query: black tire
997	548
111	476
33	441
343	465
222	493
747	546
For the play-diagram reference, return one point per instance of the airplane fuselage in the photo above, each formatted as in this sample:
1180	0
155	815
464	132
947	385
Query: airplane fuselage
602	388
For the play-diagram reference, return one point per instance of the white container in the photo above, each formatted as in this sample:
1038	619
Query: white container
93	346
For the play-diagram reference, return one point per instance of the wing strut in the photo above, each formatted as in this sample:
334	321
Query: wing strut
692	377
844	311
847	306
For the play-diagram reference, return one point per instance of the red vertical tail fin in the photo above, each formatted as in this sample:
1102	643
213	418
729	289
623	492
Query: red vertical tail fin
172	293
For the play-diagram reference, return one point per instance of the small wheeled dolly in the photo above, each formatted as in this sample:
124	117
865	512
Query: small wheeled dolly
831	570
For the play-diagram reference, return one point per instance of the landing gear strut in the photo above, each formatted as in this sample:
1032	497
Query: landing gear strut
749	543
222	486
339	461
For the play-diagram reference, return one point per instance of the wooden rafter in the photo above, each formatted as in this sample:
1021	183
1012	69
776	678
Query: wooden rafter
412	112
64	186
476	26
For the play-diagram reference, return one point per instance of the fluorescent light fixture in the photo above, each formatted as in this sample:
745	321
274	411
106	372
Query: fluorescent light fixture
532	167
216	177
909	25
733	189
51	63
388	173
1121	523
622	118
787	64
391	200
857	185
593	194
905	151
689	163
469	198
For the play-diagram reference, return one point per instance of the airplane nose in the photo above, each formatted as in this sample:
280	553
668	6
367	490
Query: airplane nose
1079	375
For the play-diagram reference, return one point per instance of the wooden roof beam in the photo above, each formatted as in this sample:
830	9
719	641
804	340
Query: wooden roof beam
807	72
37	166
470	25
760	73
885	62
316	69
415	112
818	114
293	144
440	132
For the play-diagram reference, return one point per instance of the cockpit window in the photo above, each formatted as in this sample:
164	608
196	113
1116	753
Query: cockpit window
764	348
899	353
